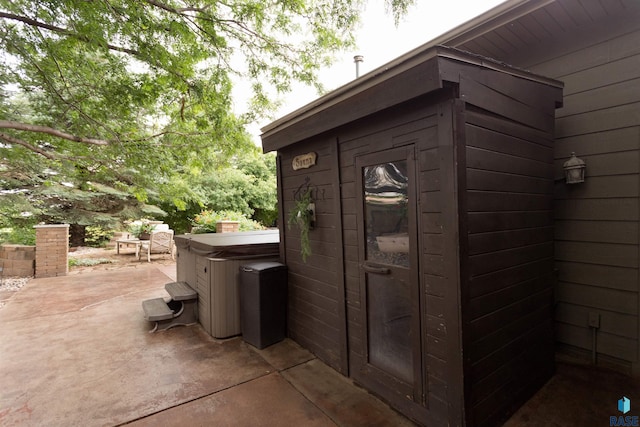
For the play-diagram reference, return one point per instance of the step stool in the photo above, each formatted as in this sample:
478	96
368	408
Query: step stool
180	310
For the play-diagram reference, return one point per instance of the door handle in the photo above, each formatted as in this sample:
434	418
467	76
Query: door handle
376	270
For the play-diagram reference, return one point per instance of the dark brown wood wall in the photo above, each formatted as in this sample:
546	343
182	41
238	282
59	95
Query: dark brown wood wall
507	234
315	296
597	228
485	183
508	312
415	123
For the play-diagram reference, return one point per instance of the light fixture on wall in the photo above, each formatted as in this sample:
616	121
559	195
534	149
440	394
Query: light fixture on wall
574	170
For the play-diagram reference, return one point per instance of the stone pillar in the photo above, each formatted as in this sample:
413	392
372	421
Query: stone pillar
227	226
52	250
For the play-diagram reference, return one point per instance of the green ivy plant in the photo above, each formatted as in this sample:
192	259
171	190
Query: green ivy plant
302	216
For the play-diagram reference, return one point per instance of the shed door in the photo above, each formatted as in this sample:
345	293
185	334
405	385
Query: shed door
389	286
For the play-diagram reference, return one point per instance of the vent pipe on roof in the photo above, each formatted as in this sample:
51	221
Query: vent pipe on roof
358	59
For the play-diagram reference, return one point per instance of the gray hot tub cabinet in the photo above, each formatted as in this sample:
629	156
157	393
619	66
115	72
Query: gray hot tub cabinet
209	263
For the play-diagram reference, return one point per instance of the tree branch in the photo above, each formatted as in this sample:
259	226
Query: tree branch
168	132
10	139
6	124
60	30
178	11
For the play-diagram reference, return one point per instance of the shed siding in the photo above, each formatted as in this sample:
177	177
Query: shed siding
483	146
314	295
508	315
416	125
597	222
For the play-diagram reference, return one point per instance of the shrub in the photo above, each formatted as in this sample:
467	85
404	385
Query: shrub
205	221
97	237
18	236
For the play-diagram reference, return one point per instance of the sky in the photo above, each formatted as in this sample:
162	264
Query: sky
380	41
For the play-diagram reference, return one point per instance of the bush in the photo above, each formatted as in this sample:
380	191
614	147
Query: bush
205	222
97	237
18	236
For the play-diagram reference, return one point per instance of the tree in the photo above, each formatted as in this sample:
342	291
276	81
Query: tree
246	185
120	94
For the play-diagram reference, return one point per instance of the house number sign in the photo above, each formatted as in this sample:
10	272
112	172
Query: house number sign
304	161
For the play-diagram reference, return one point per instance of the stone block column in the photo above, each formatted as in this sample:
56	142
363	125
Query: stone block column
227	226
52	250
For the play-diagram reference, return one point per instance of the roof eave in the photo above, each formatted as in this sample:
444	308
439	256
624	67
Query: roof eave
499	15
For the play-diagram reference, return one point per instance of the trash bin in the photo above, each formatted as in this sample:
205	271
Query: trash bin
263	303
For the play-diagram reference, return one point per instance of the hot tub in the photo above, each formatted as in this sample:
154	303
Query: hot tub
209	263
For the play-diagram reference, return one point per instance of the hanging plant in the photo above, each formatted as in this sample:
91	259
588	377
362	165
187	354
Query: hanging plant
302	215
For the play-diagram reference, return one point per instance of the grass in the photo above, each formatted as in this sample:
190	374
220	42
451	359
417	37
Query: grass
88	262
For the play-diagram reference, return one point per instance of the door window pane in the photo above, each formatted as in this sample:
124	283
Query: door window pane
386	220
389	325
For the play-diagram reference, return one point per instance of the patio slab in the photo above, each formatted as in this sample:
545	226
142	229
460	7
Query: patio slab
265	401
76	351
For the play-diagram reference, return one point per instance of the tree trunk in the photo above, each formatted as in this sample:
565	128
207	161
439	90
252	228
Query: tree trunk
77	234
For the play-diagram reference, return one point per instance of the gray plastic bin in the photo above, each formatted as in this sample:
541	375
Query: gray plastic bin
263	303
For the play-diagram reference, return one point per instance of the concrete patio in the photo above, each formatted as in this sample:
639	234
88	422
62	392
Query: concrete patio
76	351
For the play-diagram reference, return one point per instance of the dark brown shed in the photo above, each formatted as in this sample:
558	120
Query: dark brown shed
431	275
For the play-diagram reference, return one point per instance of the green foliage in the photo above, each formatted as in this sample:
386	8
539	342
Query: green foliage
18	236
88	262
205	222
180	220
17	211
139	228
248	184
108	107
302	217
245	184
97	237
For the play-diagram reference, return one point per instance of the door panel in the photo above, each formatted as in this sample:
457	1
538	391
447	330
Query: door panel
389	273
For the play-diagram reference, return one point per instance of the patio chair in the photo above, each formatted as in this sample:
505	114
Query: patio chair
160	242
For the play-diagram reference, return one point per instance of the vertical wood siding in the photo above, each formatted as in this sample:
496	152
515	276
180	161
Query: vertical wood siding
597	222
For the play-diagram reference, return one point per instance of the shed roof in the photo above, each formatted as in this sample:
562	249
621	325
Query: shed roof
421	72
510	29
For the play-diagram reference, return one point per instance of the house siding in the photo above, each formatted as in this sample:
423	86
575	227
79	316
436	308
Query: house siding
594	48
597	222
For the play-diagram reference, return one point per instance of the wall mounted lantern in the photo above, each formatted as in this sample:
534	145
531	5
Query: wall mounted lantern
574	170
